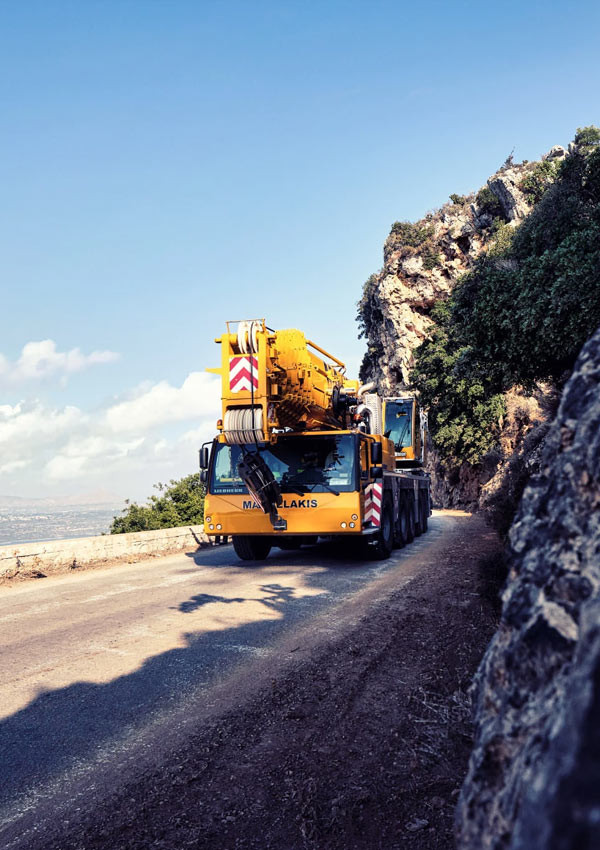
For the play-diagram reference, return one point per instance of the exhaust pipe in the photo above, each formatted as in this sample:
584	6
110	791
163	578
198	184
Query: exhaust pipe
365	388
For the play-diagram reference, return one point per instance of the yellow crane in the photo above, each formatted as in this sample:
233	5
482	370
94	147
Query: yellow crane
301	452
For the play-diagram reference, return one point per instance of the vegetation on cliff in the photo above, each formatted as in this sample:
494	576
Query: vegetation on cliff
424	260
522	313
179	503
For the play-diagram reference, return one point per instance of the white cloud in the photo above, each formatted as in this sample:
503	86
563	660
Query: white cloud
198	396
63	467
41	359
33	425
151	436
86	454
12	466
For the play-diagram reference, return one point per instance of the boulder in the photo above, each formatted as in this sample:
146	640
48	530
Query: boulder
505	187
555	152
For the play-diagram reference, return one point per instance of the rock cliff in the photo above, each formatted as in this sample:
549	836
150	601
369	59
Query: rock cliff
534	775
423	261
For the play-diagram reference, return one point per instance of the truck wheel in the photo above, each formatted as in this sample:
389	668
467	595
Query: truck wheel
410	519
402	530
251	548
419	519
384	544
424	512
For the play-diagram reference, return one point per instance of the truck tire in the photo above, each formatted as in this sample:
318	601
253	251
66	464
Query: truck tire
401	538
424	511
409	511
419	519
251	548
382	548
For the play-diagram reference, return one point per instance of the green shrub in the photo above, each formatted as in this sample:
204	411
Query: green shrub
527	315
501	234
539	178
521	315
411	234
587	136
459	200
180	503
464	417
431	258
488	203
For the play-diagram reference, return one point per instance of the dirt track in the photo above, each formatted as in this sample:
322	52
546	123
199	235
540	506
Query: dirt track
360	742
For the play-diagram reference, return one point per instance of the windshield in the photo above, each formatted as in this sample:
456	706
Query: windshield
398	422
316	464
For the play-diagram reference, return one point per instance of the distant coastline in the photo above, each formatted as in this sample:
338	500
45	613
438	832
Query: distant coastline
36	522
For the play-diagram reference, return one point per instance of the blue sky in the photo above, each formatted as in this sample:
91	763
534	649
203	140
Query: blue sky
166	166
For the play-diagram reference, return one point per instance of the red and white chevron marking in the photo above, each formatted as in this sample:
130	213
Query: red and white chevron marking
243	373
373	499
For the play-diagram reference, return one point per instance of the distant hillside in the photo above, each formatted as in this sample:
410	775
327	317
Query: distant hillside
99	498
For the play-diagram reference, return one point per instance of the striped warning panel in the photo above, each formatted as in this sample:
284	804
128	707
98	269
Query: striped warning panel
373	499
243	373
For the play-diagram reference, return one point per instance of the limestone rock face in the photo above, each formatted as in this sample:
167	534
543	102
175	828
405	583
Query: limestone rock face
505	186
555	152
422	263
534	774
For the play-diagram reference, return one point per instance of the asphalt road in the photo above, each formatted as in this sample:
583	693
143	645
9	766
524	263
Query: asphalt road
91	660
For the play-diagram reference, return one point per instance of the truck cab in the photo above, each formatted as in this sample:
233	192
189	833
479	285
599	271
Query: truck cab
322	477
406	427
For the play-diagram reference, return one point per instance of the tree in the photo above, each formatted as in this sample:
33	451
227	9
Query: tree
179	503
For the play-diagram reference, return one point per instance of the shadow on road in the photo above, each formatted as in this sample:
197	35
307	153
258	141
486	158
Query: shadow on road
62	727
276	596
334	554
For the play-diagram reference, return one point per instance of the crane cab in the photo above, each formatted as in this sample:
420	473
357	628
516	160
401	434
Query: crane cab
406	426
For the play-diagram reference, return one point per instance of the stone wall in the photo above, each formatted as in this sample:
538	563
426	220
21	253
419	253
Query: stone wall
78	552
534	775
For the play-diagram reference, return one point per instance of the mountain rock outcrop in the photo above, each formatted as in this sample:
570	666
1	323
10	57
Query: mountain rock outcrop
534	774
423	261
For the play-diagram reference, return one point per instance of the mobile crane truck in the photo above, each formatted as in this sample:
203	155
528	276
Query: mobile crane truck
304	453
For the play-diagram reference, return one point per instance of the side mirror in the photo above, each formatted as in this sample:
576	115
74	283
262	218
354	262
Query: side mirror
204	457
376	453
204	475
376	472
